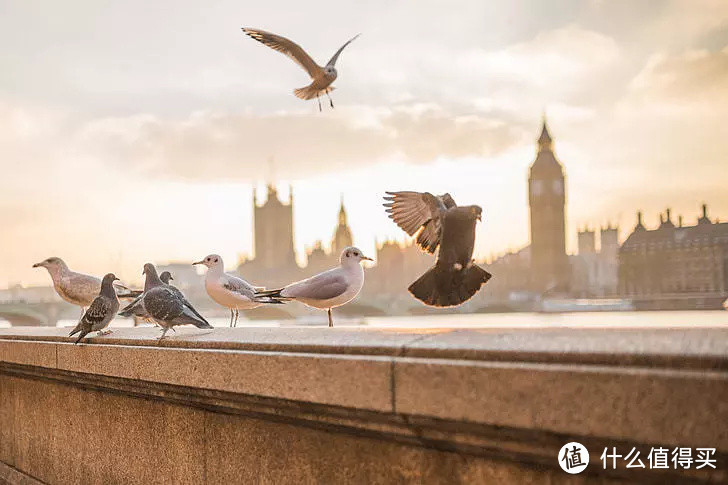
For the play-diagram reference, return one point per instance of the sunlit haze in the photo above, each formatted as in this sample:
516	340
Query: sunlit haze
133	132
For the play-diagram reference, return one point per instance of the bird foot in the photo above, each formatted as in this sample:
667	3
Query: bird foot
105	332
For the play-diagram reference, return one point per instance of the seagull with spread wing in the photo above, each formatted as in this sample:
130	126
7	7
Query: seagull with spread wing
322	77
439	222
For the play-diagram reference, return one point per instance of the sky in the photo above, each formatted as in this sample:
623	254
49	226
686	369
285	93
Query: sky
136	131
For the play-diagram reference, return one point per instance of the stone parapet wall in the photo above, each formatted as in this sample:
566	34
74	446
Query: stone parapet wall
319	405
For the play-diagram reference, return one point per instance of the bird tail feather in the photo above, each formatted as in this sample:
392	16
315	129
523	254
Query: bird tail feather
76	329
130	309
447	286
310	92
270	296
192	318
81	335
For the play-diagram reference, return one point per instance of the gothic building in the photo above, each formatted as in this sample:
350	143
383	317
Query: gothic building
550	269
273	223
675	259
342	236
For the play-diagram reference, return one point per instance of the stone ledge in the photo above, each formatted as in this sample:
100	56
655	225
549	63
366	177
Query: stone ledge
510	394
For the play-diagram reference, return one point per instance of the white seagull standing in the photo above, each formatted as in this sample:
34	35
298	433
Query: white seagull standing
78	288
330	289
322	77
230	291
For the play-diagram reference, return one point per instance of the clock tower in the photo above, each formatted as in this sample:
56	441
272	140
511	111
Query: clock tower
547	199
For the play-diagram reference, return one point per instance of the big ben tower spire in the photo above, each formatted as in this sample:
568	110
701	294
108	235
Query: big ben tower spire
547	200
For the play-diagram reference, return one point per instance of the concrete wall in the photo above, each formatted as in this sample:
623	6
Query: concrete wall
315	405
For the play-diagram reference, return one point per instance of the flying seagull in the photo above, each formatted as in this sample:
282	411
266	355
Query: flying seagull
322	77
102	310
438	221
327	290
230	291
78	288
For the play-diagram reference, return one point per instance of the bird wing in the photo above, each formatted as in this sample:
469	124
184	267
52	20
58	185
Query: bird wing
97	314
419	213
238	285
79	287
323	286
186	305
332	61
162	304
135	308
287	47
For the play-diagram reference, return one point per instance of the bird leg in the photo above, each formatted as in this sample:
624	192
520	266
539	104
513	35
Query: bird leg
83	310
331	321
331	102
164	332
237	314
319	101
232	314
105	332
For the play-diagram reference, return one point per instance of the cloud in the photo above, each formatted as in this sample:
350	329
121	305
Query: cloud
215	146
695	77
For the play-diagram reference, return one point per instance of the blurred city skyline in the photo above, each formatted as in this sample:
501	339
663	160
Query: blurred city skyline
128	138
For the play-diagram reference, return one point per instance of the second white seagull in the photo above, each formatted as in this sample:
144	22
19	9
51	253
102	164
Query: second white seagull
230	291
330	289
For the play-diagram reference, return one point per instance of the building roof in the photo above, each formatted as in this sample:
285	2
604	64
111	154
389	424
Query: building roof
546	166
704	234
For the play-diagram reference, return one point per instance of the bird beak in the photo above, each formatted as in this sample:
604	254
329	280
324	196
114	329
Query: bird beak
37	265
367	258
480	217
117	279
198	262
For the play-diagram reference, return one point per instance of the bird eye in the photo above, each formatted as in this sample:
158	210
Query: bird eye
216	260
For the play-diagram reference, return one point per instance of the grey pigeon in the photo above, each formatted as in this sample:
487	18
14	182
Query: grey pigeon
322	77
78	288
101	311
439	222
167	305
136	307
327	290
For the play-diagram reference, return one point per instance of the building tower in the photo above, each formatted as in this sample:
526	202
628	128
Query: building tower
342	235
274	231
586	241
546	198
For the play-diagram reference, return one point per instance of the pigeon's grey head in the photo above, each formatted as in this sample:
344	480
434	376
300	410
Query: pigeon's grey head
211	261
352	255
330	71
476	212
109	278
166	277
49	263
149	269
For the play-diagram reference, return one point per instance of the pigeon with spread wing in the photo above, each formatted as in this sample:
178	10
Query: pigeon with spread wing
438	222
322	77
